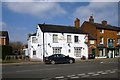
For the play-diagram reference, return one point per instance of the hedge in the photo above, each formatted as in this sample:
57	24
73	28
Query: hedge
6	50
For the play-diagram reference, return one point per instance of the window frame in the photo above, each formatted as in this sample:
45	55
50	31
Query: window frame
92	42
102	31
55	41
76	41
102	40
69	41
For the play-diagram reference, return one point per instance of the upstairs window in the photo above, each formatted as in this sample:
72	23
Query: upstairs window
118	41
69	38
101	40
76	38
55	38
101	31
91	41
34	40
118	32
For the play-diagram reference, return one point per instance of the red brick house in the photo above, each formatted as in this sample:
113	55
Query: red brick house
4	38
105	39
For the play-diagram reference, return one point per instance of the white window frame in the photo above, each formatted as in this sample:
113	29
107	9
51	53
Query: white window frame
118	40
55	39
57	50
102	40
68	38
35	40
77	51
92	42
102	31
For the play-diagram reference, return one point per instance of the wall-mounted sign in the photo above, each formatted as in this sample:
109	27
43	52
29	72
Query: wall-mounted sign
110	43
86	38
61	38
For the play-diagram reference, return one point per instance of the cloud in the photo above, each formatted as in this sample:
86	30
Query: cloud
100	10
39	9
3	24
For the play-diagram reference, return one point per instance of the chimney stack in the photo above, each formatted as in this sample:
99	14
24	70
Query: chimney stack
104	22
91	19
77	22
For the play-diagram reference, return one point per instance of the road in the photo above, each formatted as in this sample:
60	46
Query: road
92	69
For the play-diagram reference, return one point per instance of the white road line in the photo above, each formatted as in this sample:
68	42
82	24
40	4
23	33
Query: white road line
113	72
91	73
59	77
95	74
85	76
100	72
81	74
71	75
74	77
104	73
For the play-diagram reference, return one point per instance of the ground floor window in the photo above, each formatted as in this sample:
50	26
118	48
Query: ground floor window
57	50
101	52
77	51
34	52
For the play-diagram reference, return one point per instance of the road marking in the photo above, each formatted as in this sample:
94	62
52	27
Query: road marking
85	76
59	77
95	74
100	72
91	73
74	77
104	73
107	70
81	74
113	72
71	75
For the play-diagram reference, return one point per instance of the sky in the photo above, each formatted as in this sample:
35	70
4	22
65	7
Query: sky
21	18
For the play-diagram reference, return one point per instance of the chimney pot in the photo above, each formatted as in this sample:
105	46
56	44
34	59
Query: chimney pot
91	19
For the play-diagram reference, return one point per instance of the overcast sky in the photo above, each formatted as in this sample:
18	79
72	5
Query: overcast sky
21	18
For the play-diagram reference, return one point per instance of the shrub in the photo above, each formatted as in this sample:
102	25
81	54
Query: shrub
6	50
83	58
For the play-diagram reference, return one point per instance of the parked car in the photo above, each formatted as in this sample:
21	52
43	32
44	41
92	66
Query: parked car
59	58
91	56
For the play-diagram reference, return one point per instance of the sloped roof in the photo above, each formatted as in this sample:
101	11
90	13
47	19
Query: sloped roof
90	37
60	29
4	33
107	27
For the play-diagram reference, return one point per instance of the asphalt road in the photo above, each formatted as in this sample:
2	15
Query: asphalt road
92	69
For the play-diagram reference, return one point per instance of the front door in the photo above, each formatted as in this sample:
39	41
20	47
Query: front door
110	53
93	51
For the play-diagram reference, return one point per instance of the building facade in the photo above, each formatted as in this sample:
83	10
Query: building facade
56	39
105	41
4	38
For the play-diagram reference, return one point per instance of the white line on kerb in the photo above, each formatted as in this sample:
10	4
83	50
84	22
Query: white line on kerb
74	77
95	74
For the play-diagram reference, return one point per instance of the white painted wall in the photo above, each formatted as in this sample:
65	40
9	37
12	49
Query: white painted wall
48	39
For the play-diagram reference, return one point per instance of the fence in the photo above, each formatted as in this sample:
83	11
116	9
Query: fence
14	57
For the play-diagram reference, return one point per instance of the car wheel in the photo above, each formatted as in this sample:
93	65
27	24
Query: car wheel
70	61
52	62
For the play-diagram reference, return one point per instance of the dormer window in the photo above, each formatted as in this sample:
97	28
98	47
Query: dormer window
101	31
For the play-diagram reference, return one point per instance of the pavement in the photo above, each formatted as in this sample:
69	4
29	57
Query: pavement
20	62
